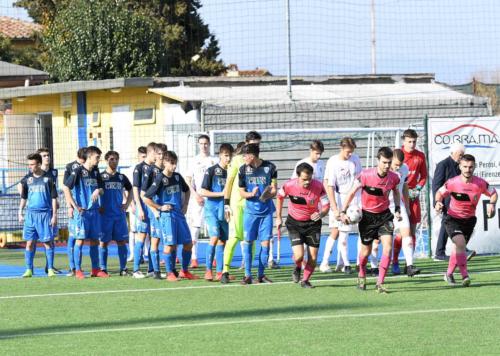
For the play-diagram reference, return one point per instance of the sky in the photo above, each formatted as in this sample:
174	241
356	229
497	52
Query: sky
455	39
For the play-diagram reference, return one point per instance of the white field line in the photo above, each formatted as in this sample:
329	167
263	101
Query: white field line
235	284
253	321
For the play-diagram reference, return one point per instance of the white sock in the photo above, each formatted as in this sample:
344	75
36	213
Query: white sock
195	234
131	244
359	250
374	258
340	261
342	246
408	250
271	243
328	250
147	242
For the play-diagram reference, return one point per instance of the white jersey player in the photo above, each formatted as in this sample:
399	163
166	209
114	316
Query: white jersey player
194	178
316	149
403	225
341	171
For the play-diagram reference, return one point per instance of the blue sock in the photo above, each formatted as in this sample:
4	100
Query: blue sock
49	254
210	256
219	258
77	255
186	258
167	257
174	257
153	256
27	259
137	254
122	256
150	259
94	256
247	251
71	252
103	258
264	256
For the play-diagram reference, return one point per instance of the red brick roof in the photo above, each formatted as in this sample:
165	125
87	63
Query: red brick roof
17	29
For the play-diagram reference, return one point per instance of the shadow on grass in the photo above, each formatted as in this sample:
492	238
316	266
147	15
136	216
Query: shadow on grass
208	317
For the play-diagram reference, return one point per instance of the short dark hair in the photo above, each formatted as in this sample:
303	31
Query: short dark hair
170	156
111	153
252	135
239	146
43	149
82	152
35	157
348	142
468	158
251	148
92	150
205	137
226	147
304	167
385	152
399	154
151	146
161	147
410	133
317	145
142	149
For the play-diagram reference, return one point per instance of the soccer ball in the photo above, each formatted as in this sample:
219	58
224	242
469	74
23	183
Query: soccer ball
354	214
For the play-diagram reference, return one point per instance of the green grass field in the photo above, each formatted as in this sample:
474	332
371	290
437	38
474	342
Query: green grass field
125	316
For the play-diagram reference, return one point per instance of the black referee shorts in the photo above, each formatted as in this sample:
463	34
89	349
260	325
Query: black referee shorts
374	225
455	226
304	232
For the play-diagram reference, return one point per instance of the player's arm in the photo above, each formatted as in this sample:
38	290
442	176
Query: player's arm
243	186
325	207
55	204
190	182
422	174
136	178
99	190
329	183
397	202
150	193
69	184
206	186
490	207
350	196
187	194
128	192
280	198
24	197
442	193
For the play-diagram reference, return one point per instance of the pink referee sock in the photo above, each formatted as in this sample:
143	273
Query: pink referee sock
308	271
462	264
452	263
363	260
384	265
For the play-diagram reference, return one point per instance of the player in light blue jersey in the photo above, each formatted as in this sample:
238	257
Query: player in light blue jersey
149	176
142	226
39	195
114	202
168	198
258	185
212	189
82	190
71	223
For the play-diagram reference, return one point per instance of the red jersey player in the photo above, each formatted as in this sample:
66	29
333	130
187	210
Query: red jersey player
377	221
308	205
417	177
465	191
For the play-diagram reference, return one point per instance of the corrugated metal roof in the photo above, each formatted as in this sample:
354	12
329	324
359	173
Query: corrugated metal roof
310	93
75	86
14	70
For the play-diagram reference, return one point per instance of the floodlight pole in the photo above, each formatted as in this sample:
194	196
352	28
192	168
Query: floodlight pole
374	58
289	49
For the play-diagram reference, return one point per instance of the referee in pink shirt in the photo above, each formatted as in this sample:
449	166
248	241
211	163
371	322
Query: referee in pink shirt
308	205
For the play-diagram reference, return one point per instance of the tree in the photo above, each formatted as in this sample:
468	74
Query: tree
26	56
102	39
191	48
